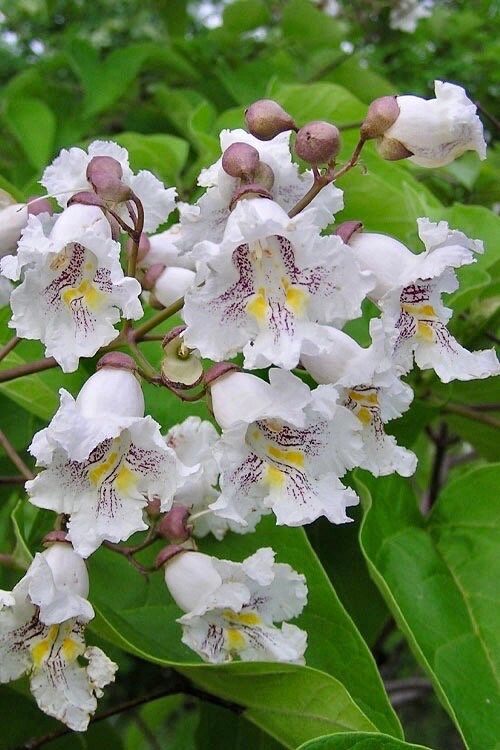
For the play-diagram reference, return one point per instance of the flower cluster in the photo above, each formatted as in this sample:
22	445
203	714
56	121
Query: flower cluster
257	274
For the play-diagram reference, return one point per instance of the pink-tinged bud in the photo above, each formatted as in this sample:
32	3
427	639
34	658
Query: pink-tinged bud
38	205
168	553
152	275
105	175
392	150
382	113
346	230
144	247
190	577
174	525
264	176
54	537
218	371
86	198
266	118
318	142
251	190
240	160
153	508
181	367
119	360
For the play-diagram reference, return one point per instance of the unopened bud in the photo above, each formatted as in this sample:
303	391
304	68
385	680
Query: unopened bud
240	160
86	198
392	150
105	175
266	118
218	371
118	360
152	275
264	176
382	113
153	508
55	537
174	525
38	205
346	230
251	190
189	577
181	367
144	247
318	142
167	553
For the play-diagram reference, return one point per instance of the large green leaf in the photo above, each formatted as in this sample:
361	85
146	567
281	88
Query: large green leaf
441	581
359	741
165	155
33	124
340	689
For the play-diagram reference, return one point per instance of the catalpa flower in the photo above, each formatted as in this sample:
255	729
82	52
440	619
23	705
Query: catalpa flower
369	385
208	217
67	175
283	448
231	608
269	285
104	460
408	291
42	625
73	290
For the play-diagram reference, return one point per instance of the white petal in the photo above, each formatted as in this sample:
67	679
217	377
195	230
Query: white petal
158	201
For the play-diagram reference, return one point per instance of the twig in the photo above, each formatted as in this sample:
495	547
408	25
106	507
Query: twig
9	346
29	368
15	479
492	337
15	457
488	114
471	413
441	446
320	181
352	161
162	315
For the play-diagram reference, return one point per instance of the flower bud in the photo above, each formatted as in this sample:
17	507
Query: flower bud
264	176
384	256
86	198
318	142
392	150
13	219
68	569
190	577
240	160
38	205
153	508
346	230
251	190
113	390
237	396
56	536
172	284
181	367
265	119
152	275
382	113
174	525
329	366
75	220
105	175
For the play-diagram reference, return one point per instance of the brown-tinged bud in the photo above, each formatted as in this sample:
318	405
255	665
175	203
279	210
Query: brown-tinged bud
152	275
346	230
105	175
167	553
37	205
181	367
174	525
392	150
117	360
240	160
153	508
144	247
264	176
318	142
382	113
55	537
86	198
218	370
266	118
251	190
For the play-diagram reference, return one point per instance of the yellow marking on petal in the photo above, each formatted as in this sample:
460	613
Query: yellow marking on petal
364	398
92	296
364	415
295	458
426	310
275	477
258	305
41	649
295	297
236	640
71	649
125	479
98	473
424	331
245	618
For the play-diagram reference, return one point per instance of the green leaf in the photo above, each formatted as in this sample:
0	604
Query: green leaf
164	155
33	124
21	554
318	101
245	15
30	392
223	729
359	741
441	581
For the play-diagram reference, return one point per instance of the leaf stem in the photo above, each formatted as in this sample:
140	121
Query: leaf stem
29	368
15	457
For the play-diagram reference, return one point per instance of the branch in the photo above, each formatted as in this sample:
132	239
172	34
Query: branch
162	315
441	443
9	346
29	368
15	457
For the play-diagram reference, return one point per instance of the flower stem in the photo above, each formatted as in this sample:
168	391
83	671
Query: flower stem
9	346
27	369
154	321
15	457
352	161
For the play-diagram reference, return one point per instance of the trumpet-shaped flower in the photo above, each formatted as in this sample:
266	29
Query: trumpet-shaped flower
369	385
73	289
67	176
409	289
231	608
269	286
283	448
104	460
42	634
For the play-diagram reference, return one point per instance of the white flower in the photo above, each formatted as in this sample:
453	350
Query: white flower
368	385
287	453
231	607
172	284
41	634
407	13
408	290
207	218
437	131
164	248
269	285
67	176
104	462
73	286
13	219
